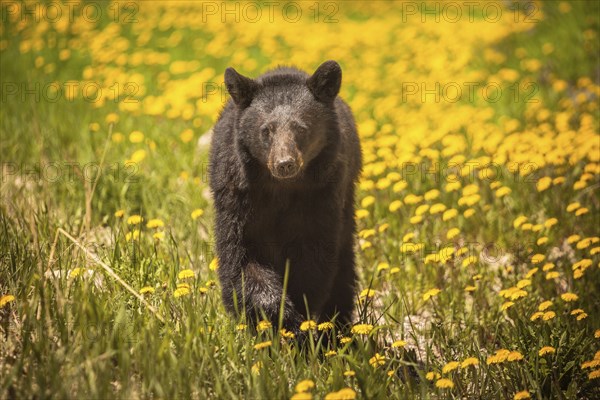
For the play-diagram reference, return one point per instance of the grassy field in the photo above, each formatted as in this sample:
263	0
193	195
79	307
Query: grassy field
478	208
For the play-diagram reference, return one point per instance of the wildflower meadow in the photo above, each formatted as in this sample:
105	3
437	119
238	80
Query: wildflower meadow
478	242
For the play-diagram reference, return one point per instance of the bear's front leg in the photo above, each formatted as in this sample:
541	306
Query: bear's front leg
257	292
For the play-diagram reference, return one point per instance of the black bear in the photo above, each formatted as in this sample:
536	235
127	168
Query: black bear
284	160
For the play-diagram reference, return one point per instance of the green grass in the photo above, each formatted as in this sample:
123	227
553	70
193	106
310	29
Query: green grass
86	336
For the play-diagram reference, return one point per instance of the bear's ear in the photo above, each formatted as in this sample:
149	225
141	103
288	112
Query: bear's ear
325	83
241	88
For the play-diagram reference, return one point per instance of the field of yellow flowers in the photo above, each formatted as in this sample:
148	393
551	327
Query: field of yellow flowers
478	206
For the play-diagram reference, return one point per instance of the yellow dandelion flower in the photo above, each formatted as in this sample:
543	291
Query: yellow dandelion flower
546	350
137	157
412	199
422	209
416	219
241	327
117	137
263	345
432	194
395	205
197	213
597	334
548	315
186	274
377	360
367	293
362	329
471	361
537	315
331	353
6	299
94	127
444	383
522	395
75	272
503	191
362	213
543	183
399	344
134	220
301	396
158	235
550	222
408	237
594	374
573	206
263	325
506	305
308	325
470	190
399	186
576	311
452	187
343	394
155	223
325	326
552	275
136	137
470	288
133	235
186	136
531	272
547	267
584	243
286	334
367	201
537	258
182	291
214	264
545	305
519	221
568	297
526	226
203	290
582	316
431	293
349	373
147	289
112	118
573	238
469	260
438	208
382	266
543	240
451	366
452	233
119	213
581	211
432	375
256	367
345	340
514	356
469	212
304	386
449	214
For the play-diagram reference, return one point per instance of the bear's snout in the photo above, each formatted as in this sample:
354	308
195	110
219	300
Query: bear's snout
285	158
286	168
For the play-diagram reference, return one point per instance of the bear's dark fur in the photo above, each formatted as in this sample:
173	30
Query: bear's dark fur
284	160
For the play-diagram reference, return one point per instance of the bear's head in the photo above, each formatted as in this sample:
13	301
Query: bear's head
285	117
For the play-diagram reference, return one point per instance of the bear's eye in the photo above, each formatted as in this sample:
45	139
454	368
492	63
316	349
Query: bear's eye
299	128
266	130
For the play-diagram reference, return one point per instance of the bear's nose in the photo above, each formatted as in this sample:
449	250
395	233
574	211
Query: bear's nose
286	168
